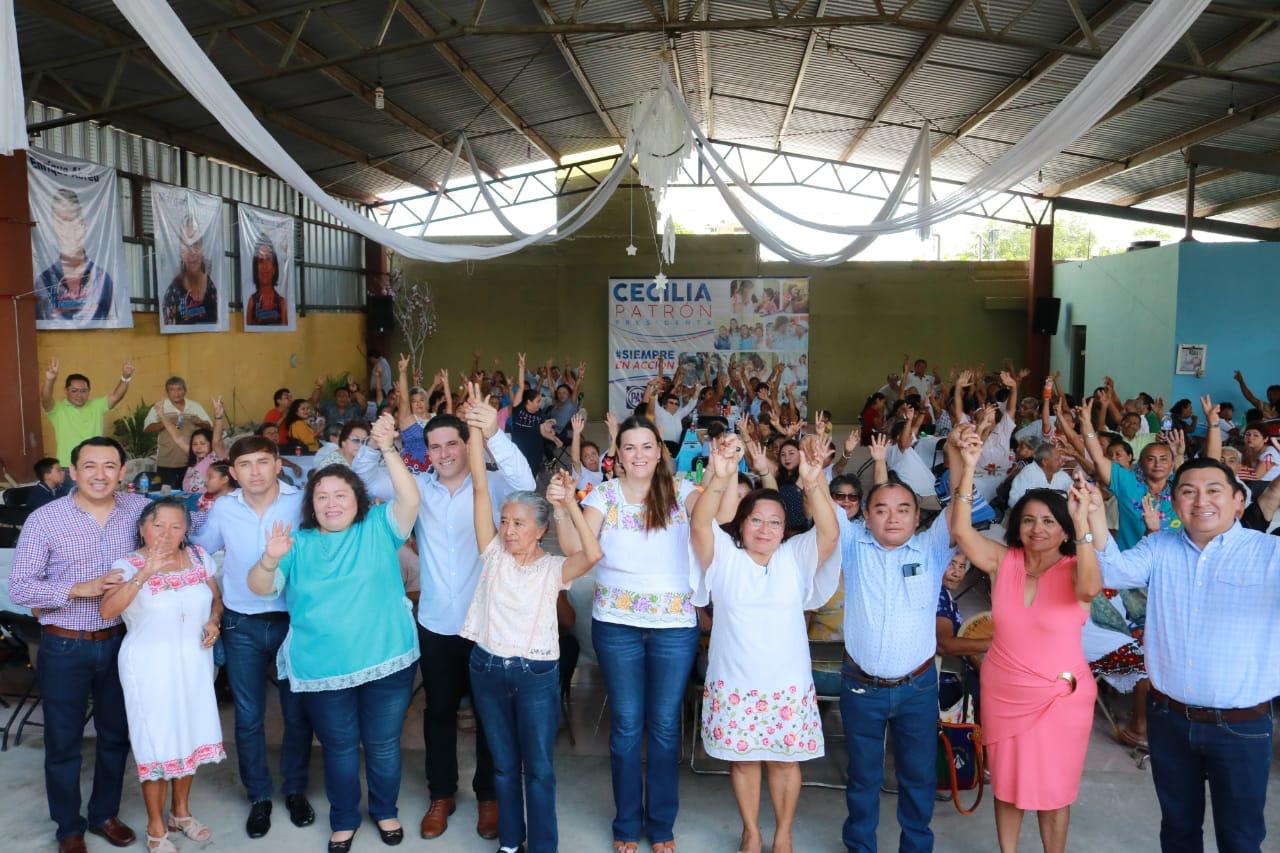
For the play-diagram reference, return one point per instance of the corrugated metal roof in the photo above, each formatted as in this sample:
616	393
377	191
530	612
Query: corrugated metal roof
750	73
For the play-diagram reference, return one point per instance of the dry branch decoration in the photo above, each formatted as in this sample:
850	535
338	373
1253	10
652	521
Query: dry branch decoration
415	315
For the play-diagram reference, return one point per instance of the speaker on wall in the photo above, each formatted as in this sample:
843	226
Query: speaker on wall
1044	319
382	316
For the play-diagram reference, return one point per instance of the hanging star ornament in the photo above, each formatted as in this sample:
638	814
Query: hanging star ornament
660	279
631	250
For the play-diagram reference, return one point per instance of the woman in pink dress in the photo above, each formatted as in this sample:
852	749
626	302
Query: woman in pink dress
1037	692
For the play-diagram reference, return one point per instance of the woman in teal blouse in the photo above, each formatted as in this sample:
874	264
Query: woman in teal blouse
352	643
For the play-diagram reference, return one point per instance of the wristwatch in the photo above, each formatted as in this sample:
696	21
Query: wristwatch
1086	539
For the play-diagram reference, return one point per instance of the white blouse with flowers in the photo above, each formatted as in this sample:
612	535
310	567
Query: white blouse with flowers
643	578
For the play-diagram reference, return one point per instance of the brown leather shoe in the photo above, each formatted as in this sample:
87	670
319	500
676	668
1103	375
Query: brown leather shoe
72	844
116	833
487	822
436	820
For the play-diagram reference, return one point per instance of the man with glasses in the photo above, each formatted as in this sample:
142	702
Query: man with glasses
191	298
78	416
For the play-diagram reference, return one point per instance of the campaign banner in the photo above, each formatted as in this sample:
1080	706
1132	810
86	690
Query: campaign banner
704	324
76	244
268	272
189	253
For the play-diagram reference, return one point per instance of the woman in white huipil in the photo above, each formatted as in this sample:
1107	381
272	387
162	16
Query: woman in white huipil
643	628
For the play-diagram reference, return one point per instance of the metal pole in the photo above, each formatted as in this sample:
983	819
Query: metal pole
1191	202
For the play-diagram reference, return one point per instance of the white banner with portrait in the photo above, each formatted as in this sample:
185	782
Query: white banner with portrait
268	272
704	324
189	253
76	244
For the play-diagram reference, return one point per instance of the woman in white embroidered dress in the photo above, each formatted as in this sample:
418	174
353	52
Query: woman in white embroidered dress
759	705
515	677
643	628
171	605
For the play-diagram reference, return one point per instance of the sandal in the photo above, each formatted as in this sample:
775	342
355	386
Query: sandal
664	846
160	845
190	827
625	847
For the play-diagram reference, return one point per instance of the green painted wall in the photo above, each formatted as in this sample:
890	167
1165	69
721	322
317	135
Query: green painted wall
552	301
1128	305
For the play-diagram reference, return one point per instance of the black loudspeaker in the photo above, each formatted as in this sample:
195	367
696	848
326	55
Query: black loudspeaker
382	316
1044	320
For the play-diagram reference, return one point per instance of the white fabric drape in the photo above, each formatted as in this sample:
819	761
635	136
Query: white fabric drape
1161	24
13	119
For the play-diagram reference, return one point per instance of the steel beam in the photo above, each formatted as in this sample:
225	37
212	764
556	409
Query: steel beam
810	40
1168	220
1257	162
1209	130
1172	187
476	82
1238	204
566	52
1030	77
917	60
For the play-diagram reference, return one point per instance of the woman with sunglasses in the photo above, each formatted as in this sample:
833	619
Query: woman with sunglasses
759	704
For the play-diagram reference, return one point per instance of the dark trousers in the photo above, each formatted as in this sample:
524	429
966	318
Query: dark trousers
519	701
1235	759
369	715
445	664
70	671
171	477
250	643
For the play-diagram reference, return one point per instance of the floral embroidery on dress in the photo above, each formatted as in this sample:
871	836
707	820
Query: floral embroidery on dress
162	581
657	607
618	514
737	721
175	768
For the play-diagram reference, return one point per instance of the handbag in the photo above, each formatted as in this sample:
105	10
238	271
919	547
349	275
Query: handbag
961	761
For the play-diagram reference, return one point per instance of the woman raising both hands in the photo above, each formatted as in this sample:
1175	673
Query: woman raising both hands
759	704
515	676
352	640
1037	691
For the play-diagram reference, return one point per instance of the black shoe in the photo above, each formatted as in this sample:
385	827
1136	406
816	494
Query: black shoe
259	822
391	837
300	811
341	846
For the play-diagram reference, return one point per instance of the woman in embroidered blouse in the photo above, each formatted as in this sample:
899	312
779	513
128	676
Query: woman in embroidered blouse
171	605
515	678
204	448
352	642
643	627
759	704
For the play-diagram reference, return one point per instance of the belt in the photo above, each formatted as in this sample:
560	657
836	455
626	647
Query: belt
270	615
867	678
1212	715
104	634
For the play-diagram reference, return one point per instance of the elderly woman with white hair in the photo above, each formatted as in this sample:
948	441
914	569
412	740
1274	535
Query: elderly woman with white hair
515	677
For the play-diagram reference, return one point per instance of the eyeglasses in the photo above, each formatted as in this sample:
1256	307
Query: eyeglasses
355	440
771	523
841	497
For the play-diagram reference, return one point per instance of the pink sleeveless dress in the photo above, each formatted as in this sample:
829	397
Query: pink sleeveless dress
1034	725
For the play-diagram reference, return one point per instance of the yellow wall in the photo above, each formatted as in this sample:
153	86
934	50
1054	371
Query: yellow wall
245	369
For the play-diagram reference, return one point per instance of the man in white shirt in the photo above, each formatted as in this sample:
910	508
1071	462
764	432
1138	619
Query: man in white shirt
668	415
450	568
918	378
1043	472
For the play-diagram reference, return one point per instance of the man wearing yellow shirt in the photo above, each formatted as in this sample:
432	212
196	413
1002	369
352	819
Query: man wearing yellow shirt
78	417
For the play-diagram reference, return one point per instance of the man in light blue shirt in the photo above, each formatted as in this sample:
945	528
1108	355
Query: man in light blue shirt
892	577
253	627
449	562
1213	654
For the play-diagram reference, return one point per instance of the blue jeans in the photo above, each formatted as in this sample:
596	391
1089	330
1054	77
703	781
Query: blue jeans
1234	757
519	702
911	713
250	644
70	671
646	673
372	715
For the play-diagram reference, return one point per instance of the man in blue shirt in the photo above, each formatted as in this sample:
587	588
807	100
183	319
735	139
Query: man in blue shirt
1213	653
892	577
254	626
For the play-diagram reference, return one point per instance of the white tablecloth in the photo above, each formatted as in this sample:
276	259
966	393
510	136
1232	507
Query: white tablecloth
6	563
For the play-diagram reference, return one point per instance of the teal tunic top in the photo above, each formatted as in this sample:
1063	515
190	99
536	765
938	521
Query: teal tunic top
349	619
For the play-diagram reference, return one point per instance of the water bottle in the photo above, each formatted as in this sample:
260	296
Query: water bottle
144	482
697	473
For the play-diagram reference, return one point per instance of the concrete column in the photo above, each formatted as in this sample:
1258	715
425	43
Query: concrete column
20	442
1039	284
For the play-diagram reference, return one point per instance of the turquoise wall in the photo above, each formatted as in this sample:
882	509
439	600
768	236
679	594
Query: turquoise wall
1128	305
1227	294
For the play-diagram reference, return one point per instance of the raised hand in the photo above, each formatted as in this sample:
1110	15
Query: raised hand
560	489
1151	513
1007	378
547	429
52	371
383	432
965	379
279	542
812	461
480	415
404	363
879	446
758	459
611	423
219	412
851	443
1211	413
126	369
987	416
725	456
578	421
